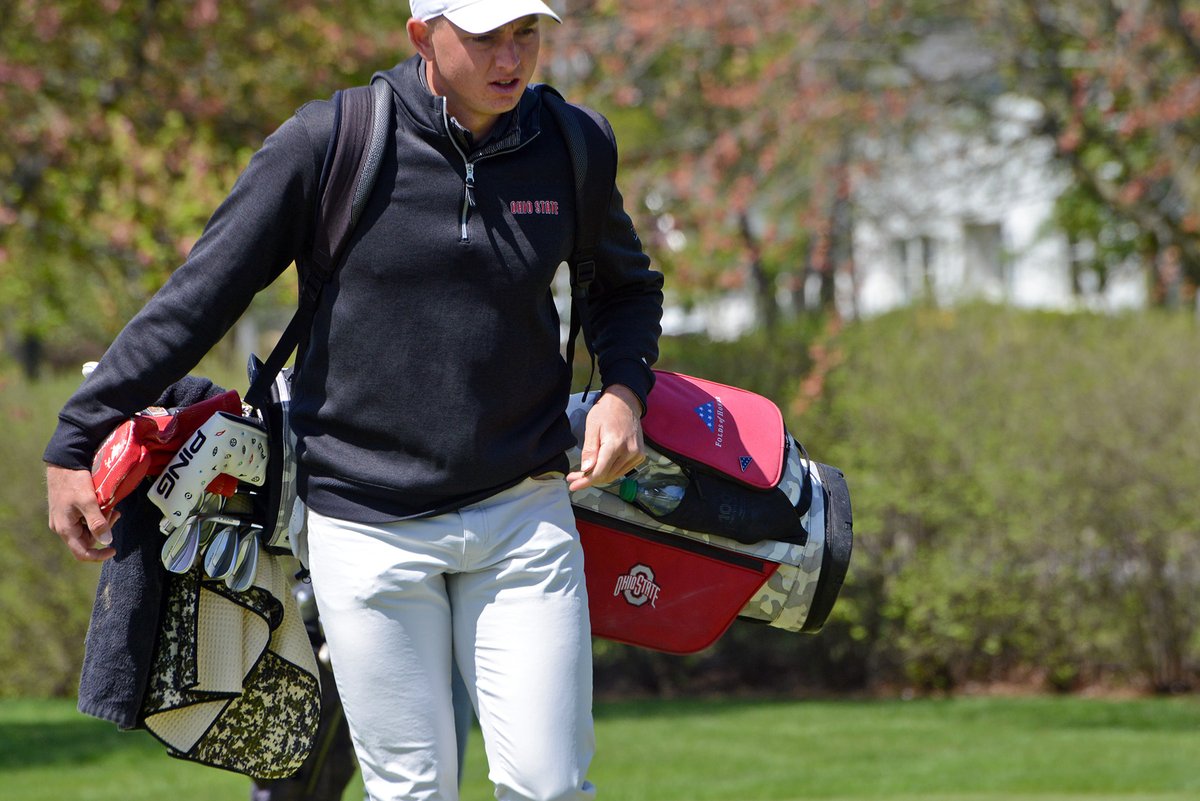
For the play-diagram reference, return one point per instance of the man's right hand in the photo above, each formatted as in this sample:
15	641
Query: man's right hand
75	514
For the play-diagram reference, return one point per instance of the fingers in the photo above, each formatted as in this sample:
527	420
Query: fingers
87	543
582	477
95	554
613	460
75	516
613	463
619	452
84	544
612	443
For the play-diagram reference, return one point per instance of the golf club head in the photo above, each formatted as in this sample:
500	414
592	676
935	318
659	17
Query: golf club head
245	564
180	548
207	510
222	553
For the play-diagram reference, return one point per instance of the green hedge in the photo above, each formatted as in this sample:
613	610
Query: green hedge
1025	494
45	595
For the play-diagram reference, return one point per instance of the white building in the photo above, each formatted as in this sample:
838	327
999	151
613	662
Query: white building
958	213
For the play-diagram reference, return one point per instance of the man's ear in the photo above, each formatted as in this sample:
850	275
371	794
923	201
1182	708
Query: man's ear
419	34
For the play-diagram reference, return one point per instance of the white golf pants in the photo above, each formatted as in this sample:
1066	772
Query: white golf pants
498	585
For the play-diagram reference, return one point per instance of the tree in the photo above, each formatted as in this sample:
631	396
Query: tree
748	117
742	128
1118	84
737	122
125	125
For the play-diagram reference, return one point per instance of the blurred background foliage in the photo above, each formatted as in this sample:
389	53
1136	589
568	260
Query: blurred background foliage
743	128
1022	481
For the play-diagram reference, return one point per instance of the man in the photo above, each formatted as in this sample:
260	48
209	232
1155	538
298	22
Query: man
428	404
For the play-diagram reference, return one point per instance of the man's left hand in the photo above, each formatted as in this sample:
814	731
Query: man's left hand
612	440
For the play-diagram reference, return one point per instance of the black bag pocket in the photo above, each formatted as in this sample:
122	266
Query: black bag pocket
718	506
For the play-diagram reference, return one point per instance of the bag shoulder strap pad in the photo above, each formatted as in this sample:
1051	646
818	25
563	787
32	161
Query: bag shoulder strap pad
362	119
594	165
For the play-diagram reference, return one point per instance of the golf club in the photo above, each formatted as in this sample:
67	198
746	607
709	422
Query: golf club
245	563
221	553
180	548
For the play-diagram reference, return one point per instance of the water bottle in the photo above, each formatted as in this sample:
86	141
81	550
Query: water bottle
657	489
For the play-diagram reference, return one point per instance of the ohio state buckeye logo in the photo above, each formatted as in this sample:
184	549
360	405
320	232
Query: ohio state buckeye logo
638	586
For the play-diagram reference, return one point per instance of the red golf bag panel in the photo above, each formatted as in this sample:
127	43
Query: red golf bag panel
729	430
649	589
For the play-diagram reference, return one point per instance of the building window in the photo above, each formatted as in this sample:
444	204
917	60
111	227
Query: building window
913	261
988	267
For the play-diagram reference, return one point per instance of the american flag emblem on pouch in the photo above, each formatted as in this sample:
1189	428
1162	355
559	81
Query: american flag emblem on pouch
745	462
707	414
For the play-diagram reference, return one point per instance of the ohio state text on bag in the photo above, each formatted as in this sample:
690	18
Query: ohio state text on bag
728	517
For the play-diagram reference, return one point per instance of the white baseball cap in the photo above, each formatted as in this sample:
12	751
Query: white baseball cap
479	16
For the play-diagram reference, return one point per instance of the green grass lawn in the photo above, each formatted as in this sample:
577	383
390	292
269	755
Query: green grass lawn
975	749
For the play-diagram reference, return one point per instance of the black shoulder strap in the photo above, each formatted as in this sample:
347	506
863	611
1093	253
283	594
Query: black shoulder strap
594	162
361	121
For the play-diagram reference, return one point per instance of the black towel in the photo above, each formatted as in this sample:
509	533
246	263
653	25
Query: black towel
129	598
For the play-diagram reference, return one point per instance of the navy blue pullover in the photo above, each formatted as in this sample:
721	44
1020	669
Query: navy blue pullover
433	375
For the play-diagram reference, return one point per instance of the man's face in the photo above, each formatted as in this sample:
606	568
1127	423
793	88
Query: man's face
482	75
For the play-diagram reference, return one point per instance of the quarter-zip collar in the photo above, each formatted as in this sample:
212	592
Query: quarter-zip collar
460	138
427	113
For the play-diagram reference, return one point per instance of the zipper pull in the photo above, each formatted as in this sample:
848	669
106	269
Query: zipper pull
470	184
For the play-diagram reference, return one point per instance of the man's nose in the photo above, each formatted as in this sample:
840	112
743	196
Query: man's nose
508	55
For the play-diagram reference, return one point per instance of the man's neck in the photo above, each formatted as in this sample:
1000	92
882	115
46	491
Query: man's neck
476	129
